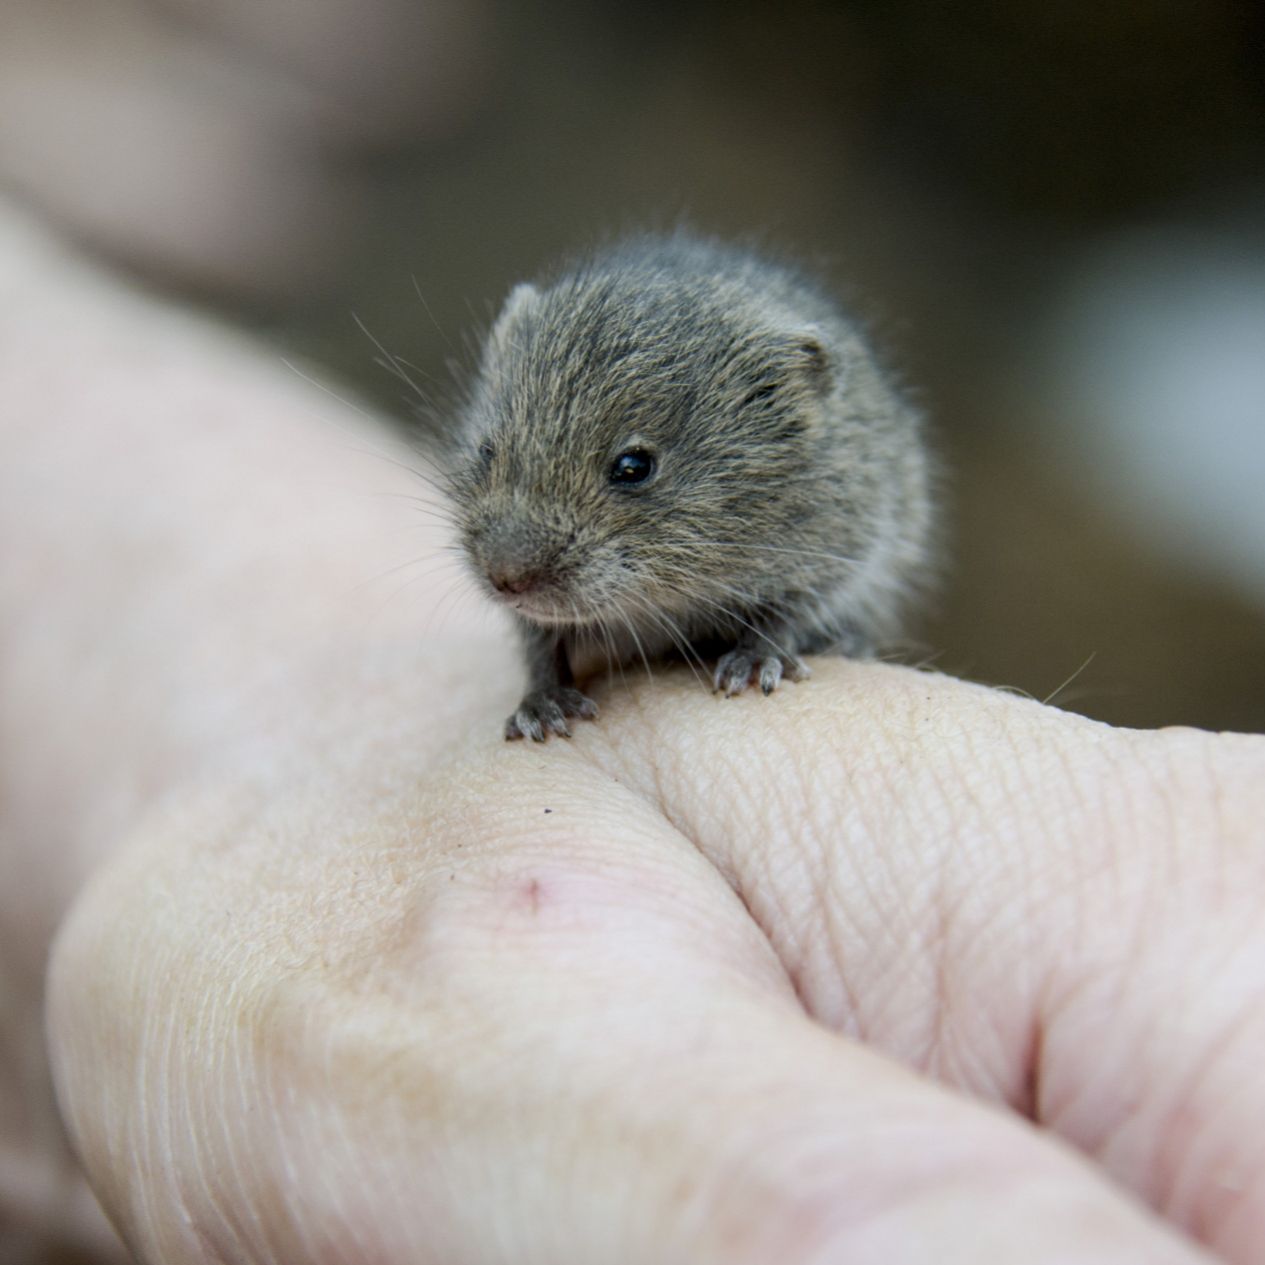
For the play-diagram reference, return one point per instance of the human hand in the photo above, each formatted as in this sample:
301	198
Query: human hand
683	989
747	980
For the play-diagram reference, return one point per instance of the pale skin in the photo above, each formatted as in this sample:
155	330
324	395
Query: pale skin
339	975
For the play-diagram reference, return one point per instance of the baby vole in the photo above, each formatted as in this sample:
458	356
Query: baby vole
676	444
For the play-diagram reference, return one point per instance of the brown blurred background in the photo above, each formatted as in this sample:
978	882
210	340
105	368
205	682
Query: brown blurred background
1052	215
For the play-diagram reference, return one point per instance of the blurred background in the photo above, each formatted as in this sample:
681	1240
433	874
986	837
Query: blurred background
1052	216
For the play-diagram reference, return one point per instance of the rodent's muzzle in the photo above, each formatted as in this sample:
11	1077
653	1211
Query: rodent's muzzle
516	567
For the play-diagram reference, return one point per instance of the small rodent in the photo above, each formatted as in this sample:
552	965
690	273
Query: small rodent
675	444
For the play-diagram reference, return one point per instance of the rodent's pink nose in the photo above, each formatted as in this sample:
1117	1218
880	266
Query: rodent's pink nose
505	580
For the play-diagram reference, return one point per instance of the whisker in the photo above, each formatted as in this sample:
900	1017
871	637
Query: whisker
441	513
688	546
428	574
395	570
632	632
422	298
390	362
732	614
675	634
333	395
456	594
399	529
607	645
360	446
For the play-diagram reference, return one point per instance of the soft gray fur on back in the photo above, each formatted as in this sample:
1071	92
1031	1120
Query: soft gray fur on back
676	443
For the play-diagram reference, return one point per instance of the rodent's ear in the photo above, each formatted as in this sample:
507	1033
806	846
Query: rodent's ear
522	299
808	350
800	358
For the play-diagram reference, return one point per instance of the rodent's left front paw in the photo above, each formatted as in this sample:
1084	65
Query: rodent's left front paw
545	712
737	667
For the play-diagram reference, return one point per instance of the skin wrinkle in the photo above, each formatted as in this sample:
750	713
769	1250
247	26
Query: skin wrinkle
665	788
1221	824
324	1223
959	914
1163	871
940	918
1133	1139
1055	877
822	870
768	891
220	1207
831	949
938	943
1205	1217
921	937
174	1051
870	874
1003	932
190	1160
1070	1103
1045	880
250	1191
1133	1135
1179	1128
784	792
667	784
881	1208
791	878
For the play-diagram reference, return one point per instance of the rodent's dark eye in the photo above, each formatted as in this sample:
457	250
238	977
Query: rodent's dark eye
633	466
486	452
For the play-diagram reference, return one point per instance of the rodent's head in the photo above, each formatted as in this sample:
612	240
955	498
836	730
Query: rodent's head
635	438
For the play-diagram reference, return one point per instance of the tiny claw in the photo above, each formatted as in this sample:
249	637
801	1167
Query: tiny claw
770	675
523	724
733	671
737	668
545	712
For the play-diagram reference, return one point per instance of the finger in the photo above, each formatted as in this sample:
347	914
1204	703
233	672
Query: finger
511	1017
1028	906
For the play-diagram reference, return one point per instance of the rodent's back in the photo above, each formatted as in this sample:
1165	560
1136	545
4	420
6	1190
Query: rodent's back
788	472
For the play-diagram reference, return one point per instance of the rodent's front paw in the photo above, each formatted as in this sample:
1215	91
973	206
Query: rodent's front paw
737	667
545	712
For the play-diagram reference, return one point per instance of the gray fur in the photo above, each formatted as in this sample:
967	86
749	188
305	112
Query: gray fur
789	513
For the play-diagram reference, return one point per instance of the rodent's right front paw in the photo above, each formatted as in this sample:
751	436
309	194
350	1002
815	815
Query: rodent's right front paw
740	665
545	712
